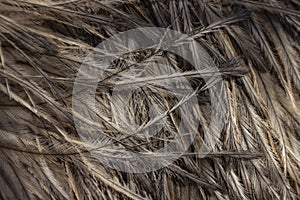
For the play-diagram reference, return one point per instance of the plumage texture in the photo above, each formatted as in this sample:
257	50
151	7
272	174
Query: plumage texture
255	45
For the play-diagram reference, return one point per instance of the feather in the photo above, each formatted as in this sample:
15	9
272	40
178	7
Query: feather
236	115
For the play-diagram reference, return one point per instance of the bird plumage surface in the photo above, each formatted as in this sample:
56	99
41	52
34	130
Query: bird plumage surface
254	44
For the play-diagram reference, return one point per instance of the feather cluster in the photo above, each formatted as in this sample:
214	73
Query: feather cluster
256	148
